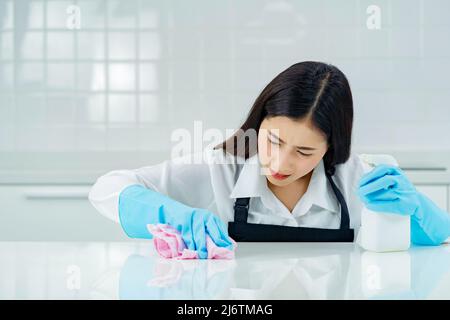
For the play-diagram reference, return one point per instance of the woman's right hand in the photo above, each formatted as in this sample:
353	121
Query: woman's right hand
139	206
195	224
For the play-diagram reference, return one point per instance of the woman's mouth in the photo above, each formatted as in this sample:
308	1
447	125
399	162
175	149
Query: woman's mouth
278	176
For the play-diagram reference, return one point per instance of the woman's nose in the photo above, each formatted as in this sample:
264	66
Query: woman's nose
282	162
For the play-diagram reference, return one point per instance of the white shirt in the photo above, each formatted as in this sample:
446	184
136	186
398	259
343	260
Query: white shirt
216	182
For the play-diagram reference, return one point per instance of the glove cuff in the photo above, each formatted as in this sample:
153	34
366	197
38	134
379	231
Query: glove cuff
134	212
433	222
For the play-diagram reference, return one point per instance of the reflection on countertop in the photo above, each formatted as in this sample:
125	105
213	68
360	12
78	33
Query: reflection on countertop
119	270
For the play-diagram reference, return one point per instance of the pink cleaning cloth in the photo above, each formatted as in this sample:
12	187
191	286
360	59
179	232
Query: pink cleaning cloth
169	244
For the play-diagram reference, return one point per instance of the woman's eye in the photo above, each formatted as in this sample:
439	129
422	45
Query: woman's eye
305	154
273	142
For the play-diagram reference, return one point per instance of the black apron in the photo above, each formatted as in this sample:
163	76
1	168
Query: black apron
241	231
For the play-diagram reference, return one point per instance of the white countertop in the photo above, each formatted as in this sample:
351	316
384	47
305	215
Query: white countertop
286	270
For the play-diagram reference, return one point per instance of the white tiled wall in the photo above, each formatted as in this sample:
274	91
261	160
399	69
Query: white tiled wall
137	69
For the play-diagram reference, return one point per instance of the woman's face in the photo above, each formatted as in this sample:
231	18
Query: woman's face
289	147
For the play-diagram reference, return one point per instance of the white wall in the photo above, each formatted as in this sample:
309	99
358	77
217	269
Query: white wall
135	70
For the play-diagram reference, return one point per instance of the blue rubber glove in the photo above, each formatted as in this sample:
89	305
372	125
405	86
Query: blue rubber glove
387	189
139	206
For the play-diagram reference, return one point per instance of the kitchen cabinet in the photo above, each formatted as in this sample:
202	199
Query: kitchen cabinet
53	213
437	193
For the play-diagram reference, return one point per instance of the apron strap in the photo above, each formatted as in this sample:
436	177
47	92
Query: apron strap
241	206
345	217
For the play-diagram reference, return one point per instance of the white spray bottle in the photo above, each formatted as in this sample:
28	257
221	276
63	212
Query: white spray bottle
383	231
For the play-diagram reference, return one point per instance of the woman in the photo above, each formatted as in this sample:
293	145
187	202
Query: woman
297	181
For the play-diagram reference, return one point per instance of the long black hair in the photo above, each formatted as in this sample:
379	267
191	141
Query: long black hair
311	89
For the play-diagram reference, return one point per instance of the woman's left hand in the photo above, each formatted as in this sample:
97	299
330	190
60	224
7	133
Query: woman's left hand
387	189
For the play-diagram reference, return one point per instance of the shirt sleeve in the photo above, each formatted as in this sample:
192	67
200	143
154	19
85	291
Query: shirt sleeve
185	179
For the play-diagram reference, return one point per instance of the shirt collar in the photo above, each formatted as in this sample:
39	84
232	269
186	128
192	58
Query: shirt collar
252	183
251	180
